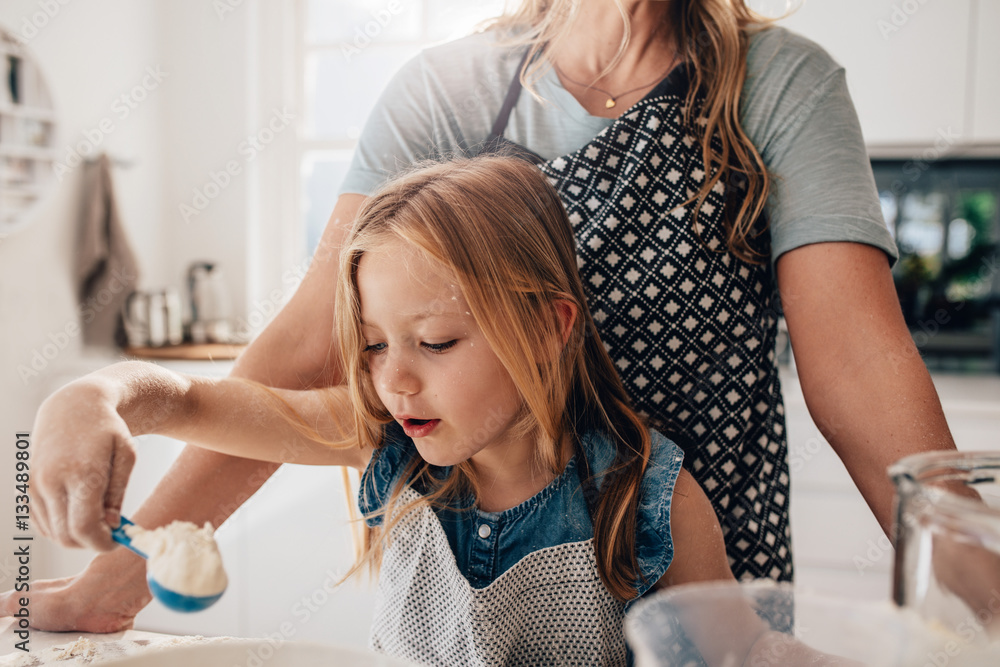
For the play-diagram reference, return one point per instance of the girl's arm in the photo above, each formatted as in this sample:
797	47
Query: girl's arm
235	416
700	556
82	436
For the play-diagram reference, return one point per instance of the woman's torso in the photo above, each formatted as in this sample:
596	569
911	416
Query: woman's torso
706	372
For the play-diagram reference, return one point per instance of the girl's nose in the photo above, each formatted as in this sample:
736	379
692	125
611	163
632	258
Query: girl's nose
398	377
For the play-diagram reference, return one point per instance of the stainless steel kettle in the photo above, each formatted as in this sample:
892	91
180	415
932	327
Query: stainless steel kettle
210	304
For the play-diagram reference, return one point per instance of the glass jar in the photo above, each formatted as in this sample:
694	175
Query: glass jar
947	541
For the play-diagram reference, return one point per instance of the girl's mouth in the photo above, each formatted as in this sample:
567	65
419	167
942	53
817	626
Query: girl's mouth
419	428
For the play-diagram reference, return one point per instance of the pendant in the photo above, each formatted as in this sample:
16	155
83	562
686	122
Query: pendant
610	103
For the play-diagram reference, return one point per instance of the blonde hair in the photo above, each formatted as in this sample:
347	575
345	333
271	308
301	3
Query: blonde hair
501	229
713	38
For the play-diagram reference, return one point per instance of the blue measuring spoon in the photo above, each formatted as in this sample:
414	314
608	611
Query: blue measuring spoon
169	598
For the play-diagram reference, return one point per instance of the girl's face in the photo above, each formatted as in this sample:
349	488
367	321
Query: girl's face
429	362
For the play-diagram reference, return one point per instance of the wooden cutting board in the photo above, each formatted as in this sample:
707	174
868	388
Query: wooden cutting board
210	351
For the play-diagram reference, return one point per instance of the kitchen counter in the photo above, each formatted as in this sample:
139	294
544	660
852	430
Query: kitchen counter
81	648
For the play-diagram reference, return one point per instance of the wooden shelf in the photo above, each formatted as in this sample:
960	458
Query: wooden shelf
206	351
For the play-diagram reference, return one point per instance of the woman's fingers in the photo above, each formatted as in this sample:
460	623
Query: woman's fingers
121	470
89	492
82	461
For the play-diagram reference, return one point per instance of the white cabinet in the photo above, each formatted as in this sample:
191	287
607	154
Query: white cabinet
986	73
907	63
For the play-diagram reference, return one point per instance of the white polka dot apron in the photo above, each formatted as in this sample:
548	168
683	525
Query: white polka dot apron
690	326
427	612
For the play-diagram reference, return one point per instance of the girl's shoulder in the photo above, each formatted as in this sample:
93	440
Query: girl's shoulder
654	546
665	458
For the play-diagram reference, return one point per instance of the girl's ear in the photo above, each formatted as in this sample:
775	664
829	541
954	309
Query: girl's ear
566	312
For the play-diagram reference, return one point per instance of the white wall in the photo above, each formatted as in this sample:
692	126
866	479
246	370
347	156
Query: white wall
221	78
91	53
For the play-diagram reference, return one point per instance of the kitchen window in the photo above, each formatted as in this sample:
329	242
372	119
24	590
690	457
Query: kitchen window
349	49
945	217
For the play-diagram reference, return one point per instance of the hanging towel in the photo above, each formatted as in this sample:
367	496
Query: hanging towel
106	268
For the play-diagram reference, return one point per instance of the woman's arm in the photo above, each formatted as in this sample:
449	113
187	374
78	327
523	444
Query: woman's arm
865	385
292	352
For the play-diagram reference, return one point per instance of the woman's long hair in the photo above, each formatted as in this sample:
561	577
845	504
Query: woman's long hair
501	229
712	38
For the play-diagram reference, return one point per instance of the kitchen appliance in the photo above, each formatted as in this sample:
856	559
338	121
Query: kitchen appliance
153	318
210	305
947	540
768	623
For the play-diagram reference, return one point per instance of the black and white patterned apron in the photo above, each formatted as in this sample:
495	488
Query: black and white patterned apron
690	326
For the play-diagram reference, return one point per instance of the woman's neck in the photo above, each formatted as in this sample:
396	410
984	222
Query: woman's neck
592	42
595	36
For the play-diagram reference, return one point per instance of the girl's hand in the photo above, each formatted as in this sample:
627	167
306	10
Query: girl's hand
82	460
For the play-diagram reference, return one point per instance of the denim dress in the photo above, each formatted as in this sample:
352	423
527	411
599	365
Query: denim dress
459	586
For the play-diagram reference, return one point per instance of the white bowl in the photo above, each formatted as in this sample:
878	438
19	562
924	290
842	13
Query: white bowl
798	628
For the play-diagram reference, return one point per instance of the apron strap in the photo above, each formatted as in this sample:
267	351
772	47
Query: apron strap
513	93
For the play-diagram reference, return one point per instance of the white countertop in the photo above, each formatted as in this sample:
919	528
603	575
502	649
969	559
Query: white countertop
81	648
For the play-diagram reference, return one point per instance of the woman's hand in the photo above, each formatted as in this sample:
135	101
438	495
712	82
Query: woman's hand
82	460
104	598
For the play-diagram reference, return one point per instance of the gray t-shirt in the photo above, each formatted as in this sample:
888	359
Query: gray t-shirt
795	108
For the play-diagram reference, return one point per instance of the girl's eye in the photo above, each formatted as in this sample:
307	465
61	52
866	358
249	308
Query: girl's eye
440	347
377	348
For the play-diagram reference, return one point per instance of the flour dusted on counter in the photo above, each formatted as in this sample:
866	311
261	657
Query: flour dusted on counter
182	557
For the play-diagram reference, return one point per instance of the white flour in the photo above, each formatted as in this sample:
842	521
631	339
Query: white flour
100	648
182	557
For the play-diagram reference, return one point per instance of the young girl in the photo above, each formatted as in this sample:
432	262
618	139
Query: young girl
516	504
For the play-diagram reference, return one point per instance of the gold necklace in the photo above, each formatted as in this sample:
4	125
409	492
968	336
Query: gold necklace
612	99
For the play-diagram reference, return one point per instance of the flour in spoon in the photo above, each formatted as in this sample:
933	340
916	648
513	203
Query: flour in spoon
182	557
